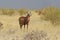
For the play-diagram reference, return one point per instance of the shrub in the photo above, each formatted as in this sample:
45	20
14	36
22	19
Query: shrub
35	35
4	11
22	11
8	11
53	15
11	12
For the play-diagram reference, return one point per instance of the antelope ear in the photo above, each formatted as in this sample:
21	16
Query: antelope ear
29	13
26	14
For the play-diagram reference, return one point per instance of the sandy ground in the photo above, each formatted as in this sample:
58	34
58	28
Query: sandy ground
11	30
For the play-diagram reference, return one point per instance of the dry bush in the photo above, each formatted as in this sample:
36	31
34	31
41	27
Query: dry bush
1	25
11	12
52	14
7	11
22	11
11	31
4	11
35	35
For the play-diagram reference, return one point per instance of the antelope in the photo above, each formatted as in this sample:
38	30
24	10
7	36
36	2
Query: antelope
24	21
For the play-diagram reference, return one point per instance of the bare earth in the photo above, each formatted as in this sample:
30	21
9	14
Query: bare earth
11	30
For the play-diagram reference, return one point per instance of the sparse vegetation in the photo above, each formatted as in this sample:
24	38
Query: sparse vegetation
22	11
4	11
35	35
11	31
11	12
52	14
7	11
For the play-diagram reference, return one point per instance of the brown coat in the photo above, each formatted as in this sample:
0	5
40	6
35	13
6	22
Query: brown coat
24	21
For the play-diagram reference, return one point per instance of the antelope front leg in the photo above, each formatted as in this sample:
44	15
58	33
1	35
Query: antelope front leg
20	26
24	26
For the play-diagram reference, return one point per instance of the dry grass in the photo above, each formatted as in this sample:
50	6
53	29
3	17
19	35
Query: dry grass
51	14
11	29
36	35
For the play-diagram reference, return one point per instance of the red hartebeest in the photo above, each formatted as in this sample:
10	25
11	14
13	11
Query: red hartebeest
24	21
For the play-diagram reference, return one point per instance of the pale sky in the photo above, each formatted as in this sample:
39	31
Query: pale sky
29	4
